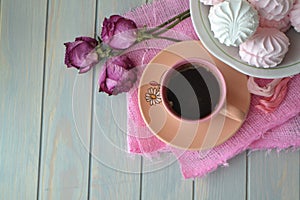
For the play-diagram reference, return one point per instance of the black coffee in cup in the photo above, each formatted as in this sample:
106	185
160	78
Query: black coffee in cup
191	91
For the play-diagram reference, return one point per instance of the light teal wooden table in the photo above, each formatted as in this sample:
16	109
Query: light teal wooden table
51	119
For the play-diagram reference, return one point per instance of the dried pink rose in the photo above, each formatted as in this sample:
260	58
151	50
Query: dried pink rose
81	54
118	32
117	75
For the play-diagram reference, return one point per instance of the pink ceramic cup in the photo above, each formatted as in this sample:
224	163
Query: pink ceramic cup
194	90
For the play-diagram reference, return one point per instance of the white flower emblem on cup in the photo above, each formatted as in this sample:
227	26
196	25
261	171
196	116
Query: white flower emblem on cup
153	96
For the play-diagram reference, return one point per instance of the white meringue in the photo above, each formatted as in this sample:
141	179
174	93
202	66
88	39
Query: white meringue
211	2
232	22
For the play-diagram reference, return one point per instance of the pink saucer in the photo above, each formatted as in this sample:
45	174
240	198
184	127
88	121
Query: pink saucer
179	133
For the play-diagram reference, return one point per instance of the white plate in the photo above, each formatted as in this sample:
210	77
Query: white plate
229	55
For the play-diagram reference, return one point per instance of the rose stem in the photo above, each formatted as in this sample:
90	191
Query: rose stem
169	21
172	25
167	38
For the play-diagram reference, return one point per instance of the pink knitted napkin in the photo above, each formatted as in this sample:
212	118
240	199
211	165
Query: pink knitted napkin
279	129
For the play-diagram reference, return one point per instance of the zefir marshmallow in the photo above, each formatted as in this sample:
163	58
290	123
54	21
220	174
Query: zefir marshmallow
233	22
266	48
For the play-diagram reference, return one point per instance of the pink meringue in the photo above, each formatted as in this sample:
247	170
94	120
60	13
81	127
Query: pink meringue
265	91
266	48
295	16
283	25
211	2
269	104
273	9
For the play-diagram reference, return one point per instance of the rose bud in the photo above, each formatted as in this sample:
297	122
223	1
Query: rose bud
81	54
119	32
117	75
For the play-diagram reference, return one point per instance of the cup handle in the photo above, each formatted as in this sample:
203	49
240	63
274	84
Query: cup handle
233	112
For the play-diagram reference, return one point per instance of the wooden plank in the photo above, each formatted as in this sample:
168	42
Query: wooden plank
111	7
22	33
67	105
225	182
114	174
274	176
162	180
149	1
113	169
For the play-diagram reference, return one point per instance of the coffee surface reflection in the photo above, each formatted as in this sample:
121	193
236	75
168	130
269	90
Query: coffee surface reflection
192	91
